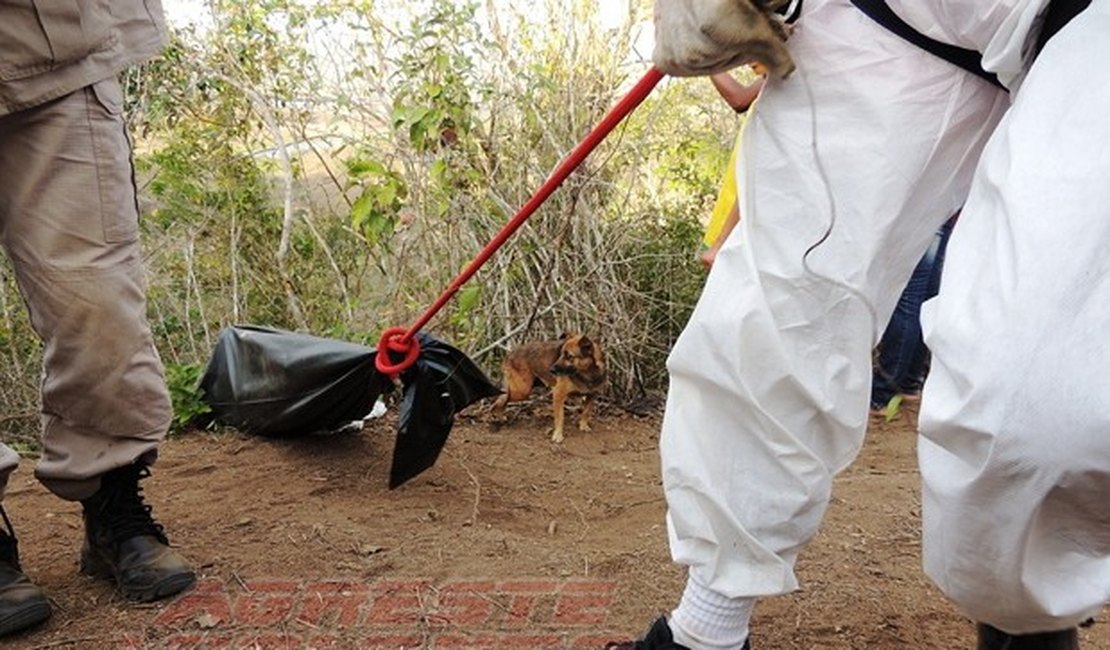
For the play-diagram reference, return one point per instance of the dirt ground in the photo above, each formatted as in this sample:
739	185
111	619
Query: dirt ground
508	542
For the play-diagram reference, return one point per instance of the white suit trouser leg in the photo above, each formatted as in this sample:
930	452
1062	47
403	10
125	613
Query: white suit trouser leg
1015	418
864	152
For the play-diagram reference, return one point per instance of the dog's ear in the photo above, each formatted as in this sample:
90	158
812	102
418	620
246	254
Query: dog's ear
565	335
597	354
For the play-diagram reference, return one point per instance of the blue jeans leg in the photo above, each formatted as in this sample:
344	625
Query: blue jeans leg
903	358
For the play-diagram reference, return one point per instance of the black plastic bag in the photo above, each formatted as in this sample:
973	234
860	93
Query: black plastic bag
443	382
283	384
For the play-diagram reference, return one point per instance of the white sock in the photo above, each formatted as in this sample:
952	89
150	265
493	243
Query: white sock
706	620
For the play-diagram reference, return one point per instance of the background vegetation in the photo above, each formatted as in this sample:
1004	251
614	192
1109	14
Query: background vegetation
329	166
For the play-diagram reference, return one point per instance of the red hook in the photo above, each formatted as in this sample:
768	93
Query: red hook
393	340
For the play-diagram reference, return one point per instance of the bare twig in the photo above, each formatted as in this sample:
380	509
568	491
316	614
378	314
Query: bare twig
477	492
270	120
84	641
340	279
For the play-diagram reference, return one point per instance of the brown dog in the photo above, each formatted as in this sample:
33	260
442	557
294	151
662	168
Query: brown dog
571	365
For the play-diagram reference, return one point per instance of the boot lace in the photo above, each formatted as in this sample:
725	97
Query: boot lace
125	513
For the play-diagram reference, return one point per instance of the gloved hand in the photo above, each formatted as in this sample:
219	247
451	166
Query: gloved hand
703	37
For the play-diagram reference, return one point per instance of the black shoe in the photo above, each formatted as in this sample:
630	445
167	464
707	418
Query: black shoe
124	543
22	603
659	637
994	639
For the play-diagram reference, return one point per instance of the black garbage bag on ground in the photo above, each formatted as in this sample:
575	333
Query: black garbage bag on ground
283	384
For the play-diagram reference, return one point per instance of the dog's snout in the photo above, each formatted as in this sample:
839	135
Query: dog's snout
562	369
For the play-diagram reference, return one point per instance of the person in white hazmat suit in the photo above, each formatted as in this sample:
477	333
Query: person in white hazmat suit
853	161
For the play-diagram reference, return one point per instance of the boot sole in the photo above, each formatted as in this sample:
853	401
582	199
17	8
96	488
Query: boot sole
170	586
164	588
29	616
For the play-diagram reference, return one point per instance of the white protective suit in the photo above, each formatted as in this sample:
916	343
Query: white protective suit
848	168
1015	420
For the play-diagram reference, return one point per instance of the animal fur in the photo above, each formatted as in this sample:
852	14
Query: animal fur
571	365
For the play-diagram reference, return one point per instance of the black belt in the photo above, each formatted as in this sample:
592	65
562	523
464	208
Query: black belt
1059	13
788	10
969	60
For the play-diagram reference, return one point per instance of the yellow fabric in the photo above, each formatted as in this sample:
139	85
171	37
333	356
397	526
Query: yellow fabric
727	195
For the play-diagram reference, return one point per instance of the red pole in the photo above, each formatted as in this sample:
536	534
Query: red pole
395	341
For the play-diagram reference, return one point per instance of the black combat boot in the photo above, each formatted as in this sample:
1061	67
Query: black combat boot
994	639
659	637
125	544
22	603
